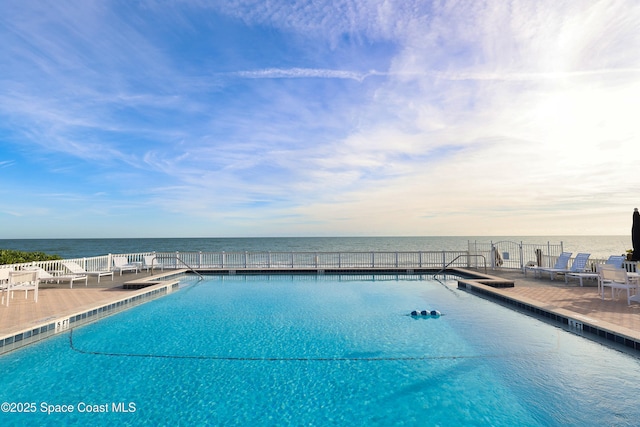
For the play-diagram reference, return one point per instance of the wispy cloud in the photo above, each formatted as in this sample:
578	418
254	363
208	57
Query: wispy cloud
12	213
299	73
293	73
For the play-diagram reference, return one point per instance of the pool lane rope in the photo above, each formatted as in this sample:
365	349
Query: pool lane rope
288	359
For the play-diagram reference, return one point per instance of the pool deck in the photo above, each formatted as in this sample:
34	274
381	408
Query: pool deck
582	304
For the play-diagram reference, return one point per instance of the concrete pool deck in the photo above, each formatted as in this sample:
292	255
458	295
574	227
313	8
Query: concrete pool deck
583	304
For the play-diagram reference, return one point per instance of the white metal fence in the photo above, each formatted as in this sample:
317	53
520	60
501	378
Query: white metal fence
492	255
98	263
508	254
517	255
314	260
279	260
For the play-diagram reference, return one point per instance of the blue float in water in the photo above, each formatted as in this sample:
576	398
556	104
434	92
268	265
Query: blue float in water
425	313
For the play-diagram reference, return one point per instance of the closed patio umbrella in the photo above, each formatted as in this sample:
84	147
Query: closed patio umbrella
635	235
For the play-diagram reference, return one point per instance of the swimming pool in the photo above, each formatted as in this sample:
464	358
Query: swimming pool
319	350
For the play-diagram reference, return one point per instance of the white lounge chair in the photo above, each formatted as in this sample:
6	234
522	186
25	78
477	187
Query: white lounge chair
151	262
45	276
22	281
617	279
615	260
75	268
121	263
578	266
561	264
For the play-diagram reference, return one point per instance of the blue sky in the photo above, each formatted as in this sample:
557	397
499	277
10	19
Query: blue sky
239	118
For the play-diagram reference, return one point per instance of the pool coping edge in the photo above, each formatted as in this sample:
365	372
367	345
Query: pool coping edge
595	330
55	325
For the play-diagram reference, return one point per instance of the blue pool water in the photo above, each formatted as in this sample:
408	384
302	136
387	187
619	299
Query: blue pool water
320	350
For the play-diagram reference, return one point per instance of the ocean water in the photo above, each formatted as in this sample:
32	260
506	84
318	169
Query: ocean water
597	246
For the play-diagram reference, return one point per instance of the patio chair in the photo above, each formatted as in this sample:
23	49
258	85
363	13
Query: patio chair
150	262
578	266
4	280
615	260
22	281
45	276
617	279
75	268
121	263
561	264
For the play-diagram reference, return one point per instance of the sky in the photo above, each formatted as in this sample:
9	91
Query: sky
259	118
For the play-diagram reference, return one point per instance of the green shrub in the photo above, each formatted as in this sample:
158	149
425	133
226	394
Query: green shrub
9	256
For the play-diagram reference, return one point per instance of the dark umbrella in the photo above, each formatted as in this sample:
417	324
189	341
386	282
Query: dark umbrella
635	235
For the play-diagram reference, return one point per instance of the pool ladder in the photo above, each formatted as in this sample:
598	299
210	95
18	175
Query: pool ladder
460	256
190	268
177	258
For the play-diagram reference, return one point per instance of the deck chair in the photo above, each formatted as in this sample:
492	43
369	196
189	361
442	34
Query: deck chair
150	262
121	263
615	260
45	276
561	264
22	281
617	279
75	268
578	266
4	281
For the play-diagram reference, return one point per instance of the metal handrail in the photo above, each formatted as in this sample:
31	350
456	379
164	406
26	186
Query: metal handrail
189	267
460	256
177	258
